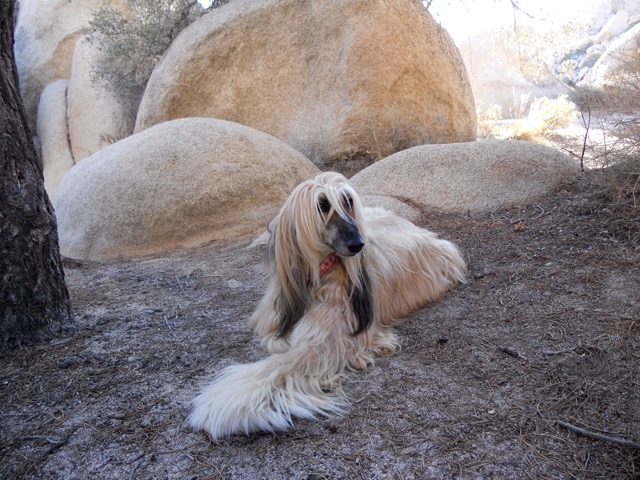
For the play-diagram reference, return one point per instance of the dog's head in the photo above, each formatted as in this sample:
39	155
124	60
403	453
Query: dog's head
320	217
337	210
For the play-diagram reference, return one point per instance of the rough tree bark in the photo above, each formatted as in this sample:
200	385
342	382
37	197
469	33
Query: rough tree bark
34	301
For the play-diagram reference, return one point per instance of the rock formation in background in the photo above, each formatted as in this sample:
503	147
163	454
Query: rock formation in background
612	43
45	38
53	132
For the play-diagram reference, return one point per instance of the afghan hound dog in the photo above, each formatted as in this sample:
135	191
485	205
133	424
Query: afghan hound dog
340	276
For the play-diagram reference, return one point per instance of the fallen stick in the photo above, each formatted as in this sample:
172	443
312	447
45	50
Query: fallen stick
599	436
511	352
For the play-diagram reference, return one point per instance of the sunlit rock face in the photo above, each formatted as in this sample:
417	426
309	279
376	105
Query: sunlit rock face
334	79
54	135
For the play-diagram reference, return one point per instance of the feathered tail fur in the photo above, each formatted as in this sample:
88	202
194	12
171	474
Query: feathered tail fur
263	396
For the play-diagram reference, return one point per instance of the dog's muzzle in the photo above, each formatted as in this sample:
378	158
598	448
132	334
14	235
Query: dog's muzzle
343	236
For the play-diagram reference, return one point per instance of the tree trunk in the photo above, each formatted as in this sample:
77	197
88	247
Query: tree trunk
34	301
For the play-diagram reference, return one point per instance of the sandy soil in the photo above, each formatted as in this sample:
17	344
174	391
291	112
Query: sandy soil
545	336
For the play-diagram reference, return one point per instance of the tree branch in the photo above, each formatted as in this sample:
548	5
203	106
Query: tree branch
599	436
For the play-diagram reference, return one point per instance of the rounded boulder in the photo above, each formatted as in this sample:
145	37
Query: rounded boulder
45	36
469	176
179	184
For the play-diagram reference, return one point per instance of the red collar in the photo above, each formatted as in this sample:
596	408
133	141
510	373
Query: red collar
327	263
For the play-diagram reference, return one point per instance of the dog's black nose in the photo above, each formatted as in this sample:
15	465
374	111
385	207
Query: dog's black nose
355	246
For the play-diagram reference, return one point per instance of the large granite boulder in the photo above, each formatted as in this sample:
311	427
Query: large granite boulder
179	184
617	24
334	79
470	176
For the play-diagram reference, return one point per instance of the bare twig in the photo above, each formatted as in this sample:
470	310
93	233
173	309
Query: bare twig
551	353
61	443
599	436
587	124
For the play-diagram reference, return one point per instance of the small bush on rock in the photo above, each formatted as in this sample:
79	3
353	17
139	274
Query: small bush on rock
132	43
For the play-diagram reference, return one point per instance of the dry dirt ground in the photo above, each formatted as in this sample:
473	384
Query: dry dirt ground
488	383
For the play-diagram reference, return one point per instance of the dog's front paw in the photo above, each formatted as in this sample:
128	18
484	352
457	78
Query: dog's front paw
385	343
361	361
386	350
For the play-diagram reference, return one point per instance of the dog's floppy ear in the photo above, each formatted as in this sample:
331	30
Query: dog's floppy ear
289	313
362	301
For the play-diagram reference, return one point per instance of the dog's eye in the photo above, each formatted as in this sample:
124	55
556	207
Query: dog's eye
348	203
324	205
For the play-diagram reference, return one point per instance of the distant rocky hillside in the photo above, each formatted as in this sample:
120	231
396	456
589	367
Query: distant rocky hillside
512	69
610	42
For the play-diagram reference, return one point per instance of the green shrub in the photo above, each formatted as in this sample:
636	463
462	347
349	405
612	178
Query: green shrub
131	43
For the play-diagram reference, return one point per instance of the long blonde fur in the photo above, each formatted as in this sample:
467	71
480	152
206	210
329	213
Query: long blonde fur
312	324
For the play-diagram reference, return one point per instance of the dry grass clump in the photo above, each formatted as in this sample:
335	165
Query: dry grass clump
621	191
545	115
487	121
